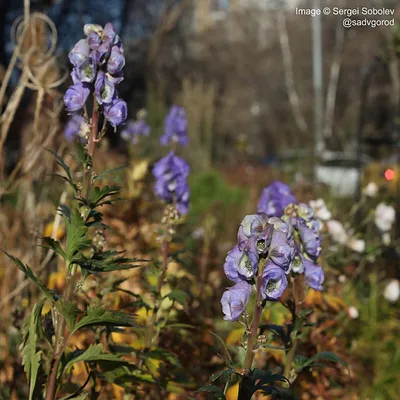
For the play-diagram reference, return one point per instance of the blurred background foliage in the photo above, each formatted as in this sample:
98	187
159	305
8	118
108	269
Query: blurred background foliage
243	72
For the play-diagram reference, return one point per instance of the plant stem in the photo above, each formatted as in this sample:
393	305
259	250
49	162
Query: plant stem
60	337
298	299
158	299
251	341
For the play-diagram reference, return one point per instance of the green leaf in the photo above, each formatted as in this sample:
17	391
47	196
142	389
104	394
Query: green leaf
278	331
215	390
95	353
97	195
110	172
69	311
316	360
106	262
30	357
224	374
163	355
29	274
77	236
54	245
179	296
98	316
65	167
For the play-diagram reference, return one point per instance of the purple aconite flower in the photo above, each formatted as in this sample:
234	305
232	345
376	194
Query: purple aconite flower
310	240
135	129
282	250
274	282
104	89
116	62
75	97
256	232
171	185
175	127
73	126
79	53
240	264
116	112
275	198
314	274
85	72
234	300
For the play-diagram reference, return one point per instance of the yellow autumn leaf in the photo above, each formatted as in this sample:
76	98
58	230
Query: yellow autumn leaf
334	302
153	366
235	336
139	169
143	314
48	231
233	392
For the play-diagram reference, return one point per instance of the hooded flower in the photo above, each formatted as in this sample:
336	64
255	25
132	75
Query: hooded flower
85	72
75	97
385	215
281	250
234	300
76	126
171	185
310	239
275	198
104	89
240	264
255	231
116	112
175	127
79	53
314	274
274	282
116	62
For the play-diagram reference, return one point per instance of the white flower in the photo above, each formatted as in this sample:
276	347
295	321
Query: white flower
337	231
357	245
392	291
386	240
353	312
342	278
371	190
321	211
384	216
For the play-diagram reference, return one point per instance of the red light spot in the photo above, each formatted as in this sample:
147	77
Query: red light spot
389	174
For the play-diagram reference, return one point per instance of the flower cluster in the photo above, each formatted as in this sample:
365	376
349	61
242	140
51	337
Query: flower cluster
271	248
171	174
274	198
175	127
98	62
265	250
307	242
134	129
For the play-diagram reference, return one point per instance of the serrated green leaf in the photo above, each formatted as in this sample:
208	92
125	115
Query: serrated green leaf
29	274
97	195
228	361
95	353
316	360
110	172
77	236
215	390
179	296
98	316
30	357
69	311
54	245
65	167
224	374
